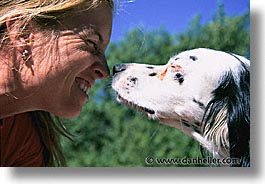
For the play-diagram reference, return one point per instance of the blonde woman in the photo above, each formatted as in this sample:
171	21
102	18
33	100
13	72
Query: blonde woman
51	53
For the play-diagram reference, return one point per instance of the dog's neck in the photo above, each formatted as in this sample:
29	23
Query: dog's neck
195	133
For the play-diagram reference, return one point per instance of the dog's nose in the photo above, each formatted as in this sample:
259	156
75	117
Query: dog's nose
118	68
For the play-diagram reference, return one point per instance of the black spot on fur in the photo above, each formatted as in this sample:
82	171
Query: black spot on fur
186	124
179	77
201	105
193	58
152	74
197	130
150	67
181	80
133	80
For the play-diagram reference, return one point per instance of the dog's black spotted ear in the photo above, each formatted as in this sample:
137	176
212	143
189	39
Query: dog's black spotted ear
232	98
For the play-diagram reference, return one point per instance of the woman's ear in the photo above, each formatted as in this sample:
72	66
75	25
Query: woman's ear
19	33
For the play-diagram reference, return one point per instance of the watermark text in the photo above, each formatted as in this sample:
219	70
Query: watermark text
191	161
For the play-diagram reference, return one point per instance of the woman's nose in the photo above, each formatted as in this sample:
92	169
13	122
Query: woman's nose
101	69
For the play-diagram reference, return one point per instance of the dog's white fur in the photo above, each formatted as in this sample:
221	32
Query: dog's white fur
177	93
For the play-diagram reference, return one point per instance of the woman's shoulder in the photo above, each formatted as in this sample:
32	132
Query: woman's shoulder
20	142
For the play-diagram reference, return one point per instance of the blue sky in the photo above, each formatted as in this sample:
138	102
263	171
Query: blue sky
173	15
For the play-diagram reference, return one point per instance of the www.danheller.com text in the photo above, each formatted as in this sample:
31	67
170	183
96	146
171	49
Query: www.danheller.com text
190	161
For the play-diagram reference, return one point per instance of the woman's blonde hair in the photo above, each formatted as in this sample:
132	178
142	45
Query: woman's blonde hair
44	12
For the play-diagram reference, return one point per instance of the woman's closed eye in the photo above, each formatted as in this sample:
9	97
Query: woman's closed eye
90	41
89	46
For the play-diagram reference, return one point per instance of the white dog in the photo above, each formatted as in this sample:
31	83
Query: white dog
202	92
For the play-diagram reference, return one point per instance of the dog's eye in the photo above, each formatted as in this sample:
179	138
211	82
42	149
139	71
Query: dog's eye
193	58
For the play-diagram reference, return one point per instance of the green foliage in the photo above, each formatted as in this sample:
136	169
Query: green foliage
110	134
223	33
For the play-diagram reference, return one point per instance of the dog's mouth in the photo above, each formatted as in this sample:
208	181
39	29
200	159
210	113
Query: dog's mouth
135	106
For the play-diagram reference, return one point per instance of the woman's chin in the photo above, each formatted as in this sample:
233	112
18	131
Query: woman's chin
71	112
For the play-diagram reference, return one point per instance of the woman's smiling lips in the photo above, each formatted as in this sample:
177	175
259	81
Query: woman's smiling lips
84	84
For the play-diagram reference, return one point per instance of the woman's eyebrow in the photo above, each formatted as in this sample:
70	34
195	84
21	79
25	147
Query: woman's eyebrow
86	32
91	31
103	42
99	36
96	31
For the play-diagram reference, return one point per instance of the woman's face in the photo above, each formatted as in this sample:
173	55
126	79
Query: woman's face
65	68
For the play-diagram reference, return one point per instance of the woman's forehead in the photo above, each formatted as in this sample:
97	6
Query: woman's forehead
98	19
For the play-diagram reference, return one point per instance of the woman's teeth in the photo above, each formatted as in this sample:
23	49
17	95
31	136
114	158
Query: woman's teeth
84	88
83	85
